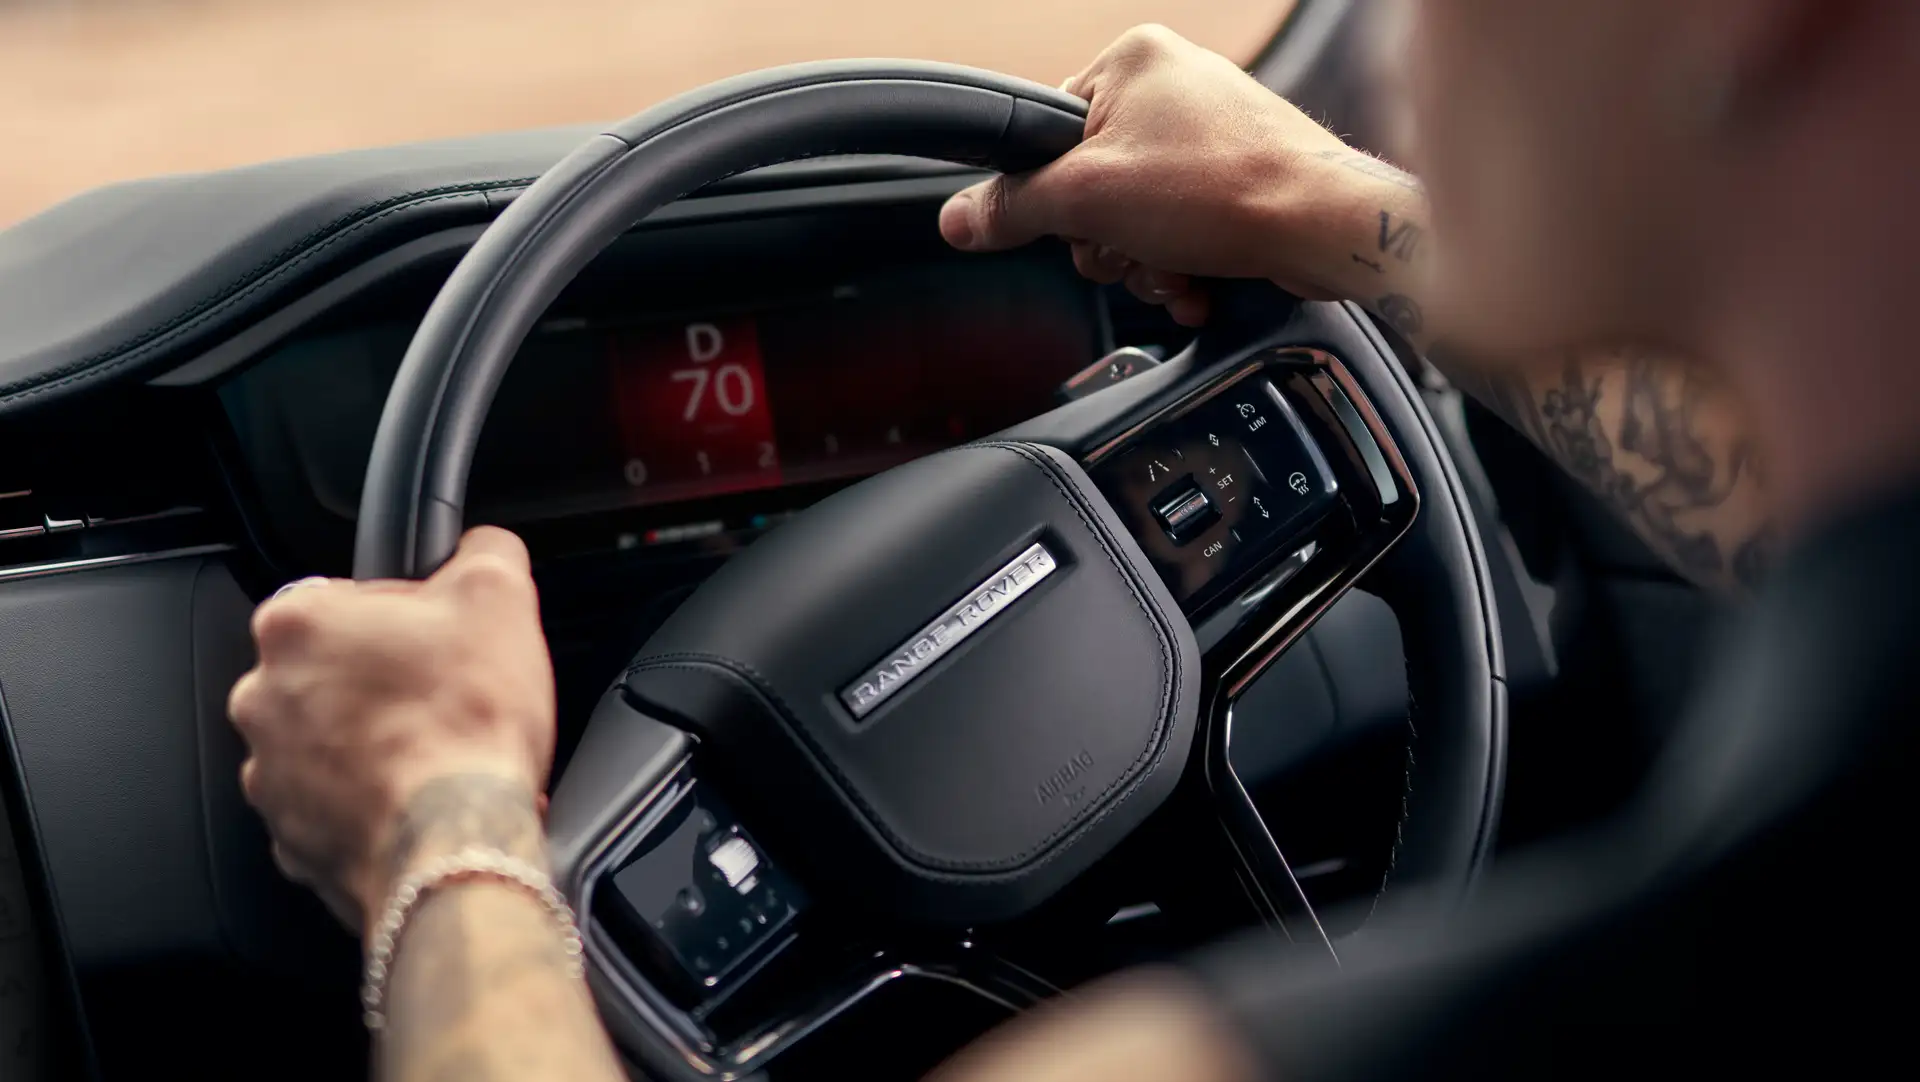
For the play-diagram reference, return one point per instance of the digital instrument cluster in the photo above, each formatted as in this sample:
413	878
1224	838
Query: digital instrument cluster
695	422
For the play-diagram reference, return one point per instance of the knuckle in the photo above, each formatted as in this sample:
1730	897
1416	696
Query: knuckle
283	623
1144	42
490	575
995	201
1076	190
497	539
1074	176
243	701
289	865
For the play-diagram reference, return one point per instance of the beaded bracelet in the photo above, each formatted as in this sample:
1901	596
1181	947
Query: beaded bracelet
470	863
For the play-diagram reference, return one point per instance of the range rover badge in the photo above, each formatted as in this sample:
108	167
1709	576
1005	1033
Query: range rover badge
931	643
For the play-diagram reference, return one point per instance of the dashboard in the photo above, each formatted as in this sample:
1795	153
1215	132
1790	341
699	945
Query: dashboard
691	416
738	357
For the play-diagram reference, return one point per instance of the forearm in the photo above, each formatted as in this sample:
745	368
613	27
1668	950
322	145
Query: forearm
481	986
1657	439
481	990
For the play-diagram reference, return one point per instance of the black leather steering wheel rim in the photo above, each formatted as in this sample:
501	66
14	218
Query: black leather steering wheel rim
411	506
411	509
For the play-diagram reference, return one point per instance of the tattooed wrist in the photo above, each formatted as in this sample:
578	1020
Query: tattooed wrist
1393	251
1399	236
457	811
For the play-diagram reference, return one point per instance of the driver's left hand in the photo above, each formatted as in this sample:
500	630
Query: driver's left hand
367	692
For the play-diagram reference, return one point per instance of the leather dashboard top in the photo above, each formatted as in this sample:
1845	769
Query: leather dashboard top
120	282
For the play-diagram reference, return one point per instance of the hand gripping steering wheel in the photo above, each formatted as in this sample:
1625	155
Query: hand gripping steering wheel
944	707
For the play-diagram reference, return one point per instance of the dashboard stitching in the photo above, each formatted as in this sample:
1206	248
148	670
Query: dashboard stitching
262	275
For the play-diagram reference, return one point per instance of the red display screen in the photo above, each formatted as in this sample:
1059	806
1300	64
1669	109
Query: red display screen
692	406
602	414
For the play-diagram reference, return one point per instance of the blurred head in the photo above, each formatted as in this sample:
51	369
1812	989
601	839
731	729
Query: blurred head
1641	169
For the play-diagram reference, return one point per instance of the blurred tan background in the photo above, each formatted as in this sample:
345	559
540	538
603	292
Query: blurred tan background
94	91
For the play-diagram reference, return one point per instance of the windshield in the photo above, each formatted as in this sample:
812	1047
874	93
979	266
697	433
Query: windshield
94	91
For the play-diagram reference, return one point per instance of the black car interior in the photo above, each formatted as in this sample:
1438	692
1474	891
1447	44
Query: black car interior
933	632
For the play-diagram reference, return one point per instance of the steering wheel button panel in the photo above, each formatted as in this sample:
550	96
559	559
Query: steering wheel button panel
699	900
1211	490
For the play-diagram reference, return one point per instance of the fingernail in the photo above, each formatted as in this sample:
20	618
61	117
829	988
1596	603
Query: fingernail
300	584
956	220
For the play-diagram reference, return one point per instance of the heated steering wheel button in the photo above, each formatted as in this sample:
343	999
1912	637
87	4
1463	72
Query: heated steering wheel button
1184	511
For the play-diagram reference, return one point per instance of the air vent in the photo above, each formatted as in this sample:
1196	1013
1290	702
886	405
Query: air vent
129	487
24	514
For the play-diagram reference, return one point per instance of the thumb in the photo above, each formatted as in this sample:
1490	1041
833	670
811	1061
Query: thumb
494	542
995	215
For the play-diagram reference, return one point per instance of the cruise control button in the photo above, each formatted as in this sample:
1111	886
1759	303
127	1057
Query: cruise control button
1184	511
1288	454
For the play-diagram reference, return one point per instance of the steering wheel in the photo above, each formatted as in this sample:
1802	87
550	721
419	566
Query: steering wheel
948	708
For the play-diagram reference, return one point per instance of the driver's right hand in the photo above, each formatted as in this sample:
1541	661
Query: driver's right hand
1190	168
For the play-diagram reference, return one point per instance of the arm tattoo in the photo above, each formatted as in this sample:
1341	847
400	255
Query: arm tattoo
480	987
450	813
1657	469
1401	241
1361	162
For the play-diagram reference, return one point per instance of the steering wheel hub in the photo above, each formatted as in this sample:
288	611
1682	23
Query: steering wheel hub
948	690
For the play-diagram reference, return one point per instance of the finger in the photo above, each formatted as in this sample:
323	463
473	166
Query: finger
250	779
301	584
1156	286
386	586
1129	53
288	866
1005	212
1191	308
1100	263
492	541
1075	84
491	564
243	702
284	623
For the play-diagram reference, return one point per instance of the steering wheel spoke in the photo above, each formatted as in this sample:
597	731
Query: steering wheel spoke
1263	485
723	962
